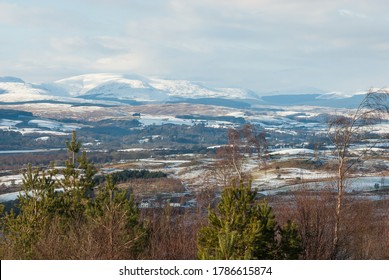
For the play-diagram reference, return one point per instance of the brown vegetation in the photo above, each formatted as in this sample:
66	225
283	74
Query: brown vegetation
150	187
173	233
364	230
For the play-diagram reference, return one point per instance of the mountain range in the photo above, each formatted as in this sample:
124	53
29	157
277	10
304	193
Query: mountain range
115	89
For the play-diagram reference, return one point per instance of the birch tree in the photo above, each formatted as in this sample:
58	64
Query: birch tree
348	129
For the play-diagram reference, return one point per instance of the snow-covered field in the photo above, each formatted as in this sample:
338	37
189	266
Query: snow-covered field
359	184
195	173
7	124
290	122
276	179
161	120
10	180
53	125
29	151
292	152
39	126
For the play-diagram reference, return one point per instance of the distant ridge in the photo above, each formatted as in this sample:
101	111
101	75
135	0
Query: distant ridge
115	89
11	80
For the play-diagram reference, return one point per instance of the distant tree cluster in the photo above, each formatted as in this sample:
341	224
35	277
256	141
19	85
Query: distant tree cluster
127	175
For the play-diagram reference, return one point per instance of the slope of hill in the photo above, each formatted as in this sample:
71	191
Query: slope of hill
114	89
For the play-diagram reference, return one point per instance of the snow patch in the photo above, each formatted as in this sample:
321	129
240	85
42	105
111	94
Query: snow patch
44	138
53	125
292	152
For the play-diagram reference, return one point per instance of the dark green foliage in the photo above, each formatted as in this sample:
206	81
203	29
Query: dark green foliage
126	175
8	205
245	228
114	218
73	146
57	211
14	114
11	140
36	205
291	243
238	120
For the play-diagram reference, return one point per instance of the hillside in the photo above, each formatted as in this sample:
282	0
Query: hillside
115	89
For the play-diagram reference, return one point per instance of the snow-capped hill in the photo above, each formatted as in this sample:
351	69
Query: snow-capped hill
188	89
126	90
333	95
238	93
11	80
133	87
53	89
80	85
180	88
15	90
20	92
110	86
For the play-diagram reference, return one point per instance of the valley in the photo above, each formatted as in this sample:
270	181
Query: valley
178	138
176	146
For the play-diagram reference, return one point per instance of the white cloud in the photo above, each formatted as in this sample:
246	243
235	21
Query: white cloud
258	44
13	14
125	63
351	14
68	44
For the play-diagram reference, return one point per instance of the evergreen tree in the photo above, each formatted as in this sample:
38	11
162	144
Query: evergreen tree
49	203
291	244
114	220
73	146
244	228
36	204
77	183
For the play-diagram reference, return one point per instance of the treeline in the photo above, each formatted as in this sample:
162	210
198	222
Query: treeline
127	175
14	140
14	114
232	119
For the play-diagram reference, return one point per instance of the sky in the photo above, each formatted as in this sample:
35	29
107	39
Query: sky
267	46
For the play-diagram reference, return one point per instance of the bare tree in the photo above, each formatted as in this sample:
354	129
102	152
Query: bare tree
230	158
346	130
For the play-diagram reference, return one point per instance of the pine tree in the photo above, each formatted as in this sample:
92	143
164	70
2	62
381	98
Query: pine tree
77	182
73	147
115	225
290	246
243	228
63	205
36	204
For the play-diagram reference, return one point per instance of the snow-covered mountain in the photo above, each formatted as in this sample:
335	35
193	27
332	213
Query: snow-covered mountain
16	90
114	87
110	87
135	89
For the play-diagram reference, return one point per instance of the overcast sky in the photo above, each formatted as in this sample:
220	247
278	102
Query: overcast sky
263	45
